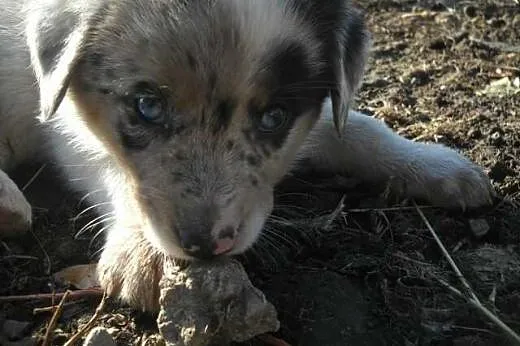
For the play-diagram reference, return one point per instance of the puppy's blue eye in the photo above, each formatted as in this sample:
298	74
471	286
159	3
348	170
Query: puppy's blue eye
150	109
273	120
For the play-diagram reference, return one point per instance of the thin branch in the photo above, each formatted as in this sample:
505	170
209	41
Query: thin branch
484	310
472	299
47	340
79	294
90	324
446	254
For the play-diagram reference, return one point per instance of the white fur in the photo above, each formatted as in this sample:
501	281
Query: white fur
372	152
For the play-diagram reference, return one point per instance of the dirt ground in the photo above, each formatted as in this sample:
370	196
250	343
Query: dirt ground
366	274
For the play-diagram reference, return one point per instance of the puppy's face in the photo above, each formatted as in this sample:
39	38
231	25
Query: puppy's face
202	106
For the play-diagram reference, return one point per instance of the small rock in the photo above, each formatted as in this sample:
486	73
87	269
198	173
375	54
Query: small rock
15	330
215	304
99	336
479	227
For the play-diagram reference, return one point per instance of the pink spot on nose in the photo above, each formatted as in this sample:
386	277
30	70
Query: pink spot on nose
223	245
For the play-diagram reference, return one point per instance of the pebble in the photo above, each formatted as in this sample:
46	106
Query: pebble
99	336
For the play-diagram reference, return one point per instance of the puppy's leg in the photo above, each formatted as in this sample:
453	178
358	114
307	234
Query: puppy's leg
130	268
15	211
370	151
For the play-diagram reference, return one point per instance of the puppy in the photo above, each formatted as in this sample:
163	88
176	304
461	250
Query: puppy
183	115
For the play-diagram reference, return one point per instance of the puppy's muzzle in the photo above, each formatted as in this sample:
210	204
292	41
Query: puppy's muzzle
203	235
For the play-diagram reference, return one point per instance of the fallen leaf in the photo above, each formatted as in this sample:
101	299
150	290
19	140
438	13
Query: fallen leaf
83	276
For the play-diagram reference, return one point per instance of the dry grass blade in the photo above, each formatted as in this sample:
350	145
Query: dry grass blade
90	324
34	177
472	298
484	310
446	254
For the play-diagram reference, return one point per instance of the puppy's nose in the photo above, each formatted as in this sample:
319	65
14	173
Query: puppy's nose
206	247
225	241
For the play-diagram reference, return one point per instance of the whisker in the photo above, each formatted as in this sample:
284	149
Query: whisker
90	208
282	239
96	221
88	194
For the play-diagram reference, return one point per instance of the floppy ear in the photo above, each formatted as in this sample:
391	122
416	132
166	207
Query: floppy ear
352	44
56	31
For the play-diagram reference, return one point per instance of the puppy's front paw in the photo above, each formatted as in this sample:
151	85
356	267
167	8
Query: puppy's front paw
447	179
15	211
130	269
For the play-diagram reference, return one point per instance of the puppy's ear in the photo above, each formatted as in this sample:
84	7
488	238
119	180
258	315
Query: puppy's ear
348	63
56	32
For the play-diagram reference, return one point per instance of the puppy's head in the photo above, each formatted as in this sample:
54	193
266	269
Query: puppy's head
200	106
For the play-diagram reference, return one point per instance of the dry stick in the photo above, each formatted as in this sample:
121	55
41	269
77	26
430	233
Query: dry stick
473	300
51	308
87	327
446	254
483	309
91	292
52	324
37	311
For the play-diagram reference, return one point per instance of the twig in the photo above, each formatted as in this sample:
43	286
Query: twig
33	178
446	254
52	324
271	340
91	292
472	299
51	308
334	215
484	310
37	311
47	258
90	324
20	257
408	259
389	209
